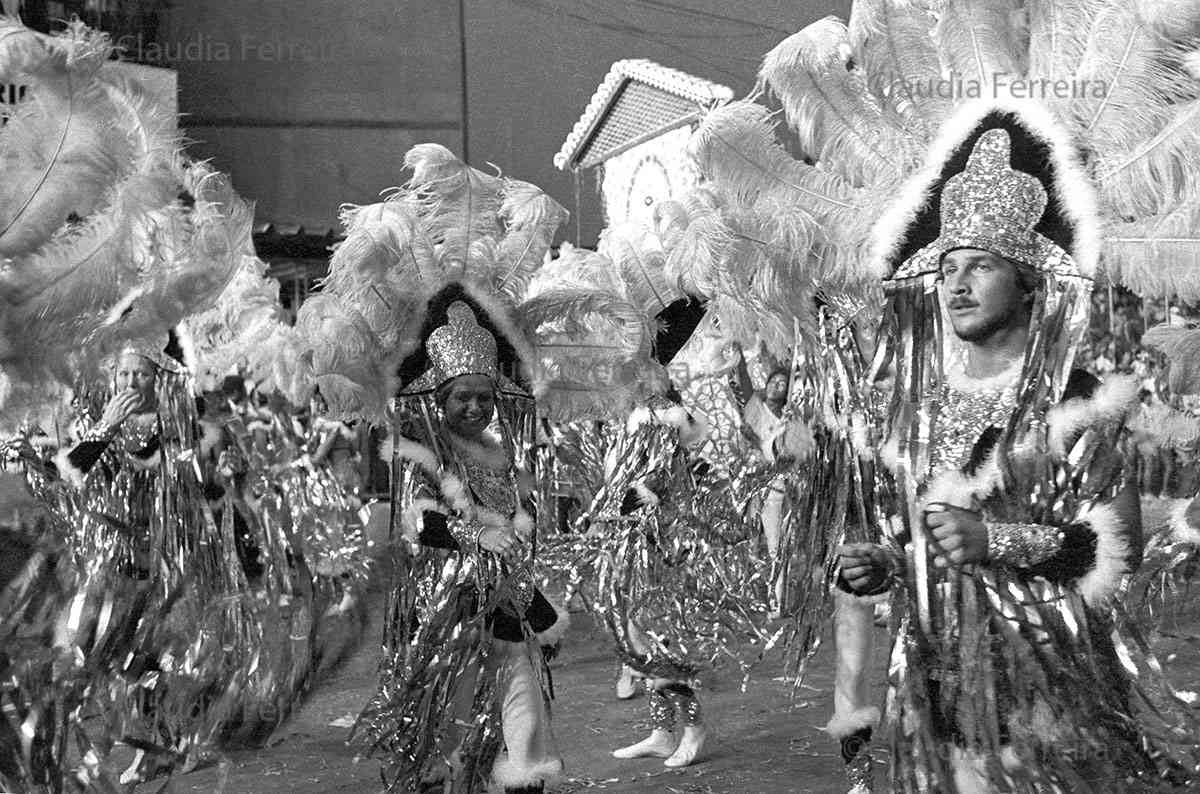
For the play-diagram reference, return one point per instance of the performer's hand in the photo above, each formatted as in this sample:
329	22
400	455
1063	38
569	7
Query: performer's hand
960	537
121	407
498	540
864	566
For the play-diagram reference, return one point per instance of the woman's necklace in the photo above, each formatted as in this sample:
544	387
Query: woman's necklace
489	473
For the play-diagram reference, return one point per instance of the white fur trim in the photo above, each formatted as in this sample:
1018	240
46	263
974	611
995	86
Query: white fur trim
1112	554
843	725
386	449
646	497
1181	530
1075	191
889	454
1112	399
423	456
962	490
522	524
259	424
68	470
500	315
456	493
554	634
210	437
187	347
970	772
675	416
509	775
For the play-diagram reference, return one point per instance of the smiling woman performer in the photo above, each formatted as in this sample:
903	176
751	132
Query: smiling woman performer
465	622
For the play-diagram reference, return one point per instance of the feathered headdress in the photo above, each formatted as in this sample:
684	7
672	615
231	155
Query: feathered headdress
845	115
461	337
106	233
1004	178
580	328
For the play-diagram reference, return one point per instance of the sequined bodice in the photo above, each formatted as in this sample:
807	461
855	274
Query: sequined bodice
961	418
135	437
494	489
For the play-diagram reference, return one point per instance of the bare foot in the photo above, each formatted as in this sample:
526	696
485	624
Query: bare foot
659	744
689	746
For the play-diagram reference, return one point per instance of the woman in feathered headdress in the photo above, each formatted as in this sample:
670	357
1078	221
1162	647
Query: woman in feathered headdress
466	624
143	534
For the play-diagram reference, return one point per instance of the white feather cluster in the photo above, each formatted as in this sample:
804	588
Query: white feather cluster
98	247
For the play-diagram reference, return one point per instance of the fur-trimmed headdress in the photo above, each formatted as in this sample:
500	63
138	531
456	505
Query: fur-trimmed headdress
462	335
1003	177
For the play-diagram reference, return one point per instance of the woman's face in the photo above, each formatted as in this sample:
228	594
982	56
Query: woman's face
469	403
136	373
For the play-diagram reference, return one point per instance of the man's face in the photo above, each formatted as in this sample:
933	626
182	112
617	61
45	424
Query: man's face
777	388
983	294
470	403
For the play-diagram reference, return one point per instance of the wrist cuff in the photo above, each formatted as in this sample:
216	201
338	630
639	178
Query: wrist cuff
101	431
465	533
1022	545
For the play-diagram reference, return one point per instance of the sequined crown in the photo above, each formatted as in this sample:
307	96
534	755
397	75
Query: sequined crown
460	347
990	206
147	351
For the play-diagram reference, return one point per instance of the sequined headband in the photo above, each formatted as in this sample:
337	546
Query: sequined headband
156	357
992	207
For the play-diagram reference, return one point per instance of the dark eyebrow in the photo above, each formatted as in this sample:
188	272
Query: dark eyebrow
972	259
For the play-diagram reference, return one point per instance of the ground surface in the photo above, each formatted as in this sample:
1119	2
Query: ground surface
761	742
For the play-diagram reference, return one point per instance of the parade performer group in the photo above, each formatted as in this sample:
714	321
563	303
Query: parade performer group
924	264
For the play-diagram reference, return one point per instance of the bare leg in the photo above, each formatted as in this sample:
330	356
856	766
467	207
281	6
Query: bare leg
687	706
772	523
661	741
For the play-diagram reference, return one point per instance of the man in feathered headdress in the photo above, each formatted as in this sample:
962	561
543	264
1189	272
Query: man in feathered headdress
1010	524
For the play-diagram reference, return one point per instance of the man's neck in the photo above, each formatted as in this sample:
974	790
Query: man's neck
990	357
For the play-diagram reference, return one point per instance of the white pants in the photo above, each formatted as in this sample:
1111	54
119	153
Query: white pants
530	758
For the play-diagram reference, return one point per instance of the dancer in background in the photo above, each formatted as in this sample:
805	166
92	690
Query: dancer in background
139	512
669	534
779	437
